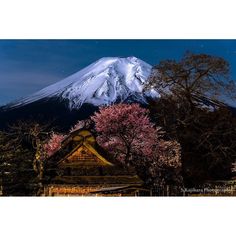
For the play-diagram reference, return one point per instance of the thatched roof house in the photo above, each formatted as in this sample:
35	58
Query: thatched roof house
80	167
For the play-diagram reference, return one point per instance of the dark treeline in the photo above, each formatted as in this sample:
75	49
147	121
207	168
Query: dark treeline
191	112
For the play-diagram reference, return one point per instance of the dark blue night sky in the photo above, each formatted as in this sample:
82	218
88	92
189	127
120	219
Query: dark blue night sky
29	65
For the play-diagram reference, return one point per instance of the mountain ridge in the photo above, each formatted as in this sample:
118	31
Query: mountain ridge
107	81
104	82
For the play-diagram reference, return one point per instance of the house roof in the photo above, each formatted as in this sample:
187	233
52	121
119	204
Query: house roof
72	143
90	169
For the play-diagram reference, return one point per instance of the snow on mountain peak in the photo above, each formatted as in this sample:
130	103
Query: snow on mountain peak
104	82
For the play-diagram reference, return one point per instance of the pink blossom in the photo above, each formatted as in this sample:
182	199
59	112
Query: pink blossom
53	144
126	132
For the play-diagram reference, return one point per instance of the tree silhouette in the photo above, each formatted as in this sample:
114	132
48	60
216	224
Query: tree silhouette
194	76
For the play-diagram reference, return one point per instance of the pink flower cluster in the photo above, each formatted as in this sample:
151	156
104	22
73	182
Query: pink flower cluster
127	133
53	144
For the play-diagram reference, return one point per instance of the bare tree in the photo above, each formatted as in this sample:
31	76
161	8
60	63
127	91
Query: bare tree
194	76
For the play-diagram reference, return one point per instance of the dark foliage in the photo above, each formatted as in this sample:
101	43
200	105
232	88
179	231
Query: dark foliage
207	139
19	146
191	112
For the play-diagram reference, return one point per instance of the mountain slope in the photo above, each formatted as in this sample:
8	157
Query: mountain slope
107	81
104	82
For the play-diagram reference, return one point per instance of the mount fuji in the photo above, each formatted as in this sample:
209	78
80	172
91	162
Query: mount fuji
107	81
104	82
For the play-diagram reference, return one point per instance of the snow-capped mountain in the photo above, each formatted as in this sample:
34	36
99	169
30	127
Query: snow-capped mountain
106	81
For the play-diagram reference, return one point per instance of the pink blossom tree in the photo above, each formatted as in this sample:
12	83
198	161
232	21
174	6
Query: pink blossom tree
53	144
126	132
81	124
